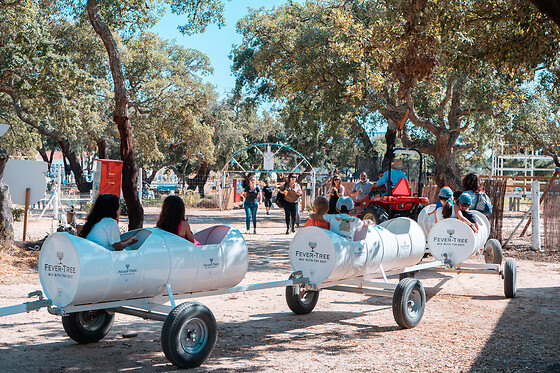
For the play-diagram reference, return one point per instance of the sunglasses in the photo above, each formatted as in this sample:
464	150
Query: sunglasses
292	177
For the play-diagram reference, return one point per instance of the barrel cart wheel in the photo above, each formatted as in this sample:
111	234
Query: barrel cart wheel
493	251
510	278
300	300
188	335
409	300
87	326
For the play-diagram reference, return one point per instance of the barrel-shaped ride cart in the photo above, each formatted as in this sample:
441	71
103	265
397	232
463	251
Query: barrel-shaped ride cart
450	242
332	262
87	284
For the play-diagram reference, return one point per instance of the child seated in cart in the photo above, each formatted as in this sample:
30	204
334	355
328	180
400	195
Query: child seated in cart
463	213
320	207
342	223
445	201
101	224
172	218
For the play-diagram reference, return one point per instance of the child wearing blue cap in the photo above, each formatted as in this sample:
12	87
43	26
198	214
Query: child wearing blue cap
463	213
445	201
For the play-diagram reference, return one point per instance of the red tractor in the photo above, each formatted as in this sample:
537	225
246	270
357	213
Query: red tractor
383	203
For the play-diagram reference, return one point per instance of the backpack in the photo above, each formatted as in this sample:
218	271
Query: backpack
483	203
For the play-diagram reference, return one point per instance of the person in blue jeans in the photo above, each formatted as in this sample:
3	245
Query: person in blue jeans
252	197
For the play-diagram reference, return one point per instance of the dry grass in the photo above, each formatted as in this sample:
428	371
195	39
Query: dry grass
17	263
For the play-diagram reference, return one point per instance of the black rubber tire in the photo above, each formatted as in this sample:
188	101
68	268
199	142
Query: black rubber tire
301	301
189	335
510	278
375	213
409	301
493	252
406	275
87	326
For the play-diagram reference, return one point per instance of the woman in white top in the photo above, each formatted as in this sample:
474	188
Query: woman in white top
101	224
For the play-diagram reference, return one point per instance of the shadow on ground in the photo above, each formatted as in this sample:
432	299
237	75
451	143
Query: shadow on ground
519	343
247	340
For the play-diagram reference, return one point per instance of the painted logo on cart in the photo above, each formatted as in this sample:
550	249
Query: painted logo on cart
59	269
311	255
451	240
127	271
211	265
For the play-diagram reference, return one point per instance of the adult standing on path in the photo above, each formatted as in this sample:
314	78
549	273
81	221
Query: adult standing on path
291	191
362	187
251	195
267	193
337	191
480	200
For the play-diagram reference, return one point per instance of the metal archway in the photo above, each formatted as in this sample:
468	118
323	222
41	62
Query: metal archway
269	158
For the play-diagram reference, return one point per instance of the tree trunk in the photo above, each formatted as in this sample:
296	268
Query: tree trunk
200	178
446	172
6	219
44	155
83	185
121	118
390	141
101	148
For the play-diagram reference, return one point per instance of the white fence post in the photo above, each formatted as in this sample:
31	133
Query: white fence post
535	216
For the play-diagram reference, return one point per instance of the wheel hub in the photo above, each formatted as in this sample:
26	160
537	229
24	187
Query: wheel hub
194	336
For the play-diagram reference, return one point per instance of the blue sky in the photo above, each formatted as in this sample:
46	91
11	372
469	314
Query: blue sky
215	43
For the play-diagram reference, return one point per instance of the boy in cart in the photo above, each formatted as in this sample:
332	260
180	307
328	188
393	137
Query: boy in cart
342	223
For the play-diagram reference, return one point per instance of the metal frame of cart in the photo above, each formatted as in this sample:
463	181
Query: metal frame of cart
189	329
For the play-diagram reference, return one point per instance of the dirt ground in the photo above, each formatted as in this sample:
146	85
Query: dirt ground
468	324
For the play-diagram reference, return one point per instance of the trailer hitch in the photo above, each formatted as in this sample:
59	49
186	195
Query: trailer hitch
27	306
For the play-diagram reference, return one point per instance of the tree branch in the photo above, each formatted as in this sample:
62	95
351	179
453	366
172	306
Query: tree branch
417	120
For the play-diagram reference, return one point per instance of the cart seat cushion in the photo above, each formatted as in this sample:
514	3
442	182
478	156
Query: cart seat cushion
141	236
213	235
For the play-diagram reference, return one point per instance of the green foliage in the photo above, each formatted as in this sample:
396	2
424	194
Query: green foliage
190	197
18	213
453	65
86	206
124	209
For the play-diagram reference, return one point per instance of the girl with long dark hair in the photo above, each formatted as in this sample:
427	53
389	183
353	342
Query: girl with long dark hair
172	218
101	224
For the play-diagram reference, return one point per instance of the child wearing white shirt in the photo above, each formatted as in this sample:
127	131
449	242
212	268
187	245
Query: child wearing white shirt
343	224
101	224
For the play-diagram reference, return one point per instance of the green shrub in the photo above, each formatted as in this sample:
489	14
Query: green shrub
124	209
86	206
189	196
17	213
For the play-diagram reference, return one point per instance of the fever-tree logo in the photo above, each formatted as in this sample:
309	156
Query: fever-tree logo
60	255
312	245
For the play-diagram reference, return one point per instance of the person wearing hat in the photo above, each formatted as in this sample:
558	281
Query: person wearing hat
342	223
396	174
463	213
445	201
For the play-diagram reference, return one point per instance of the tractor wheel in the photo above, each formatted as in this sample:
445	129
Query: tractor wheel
375	213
